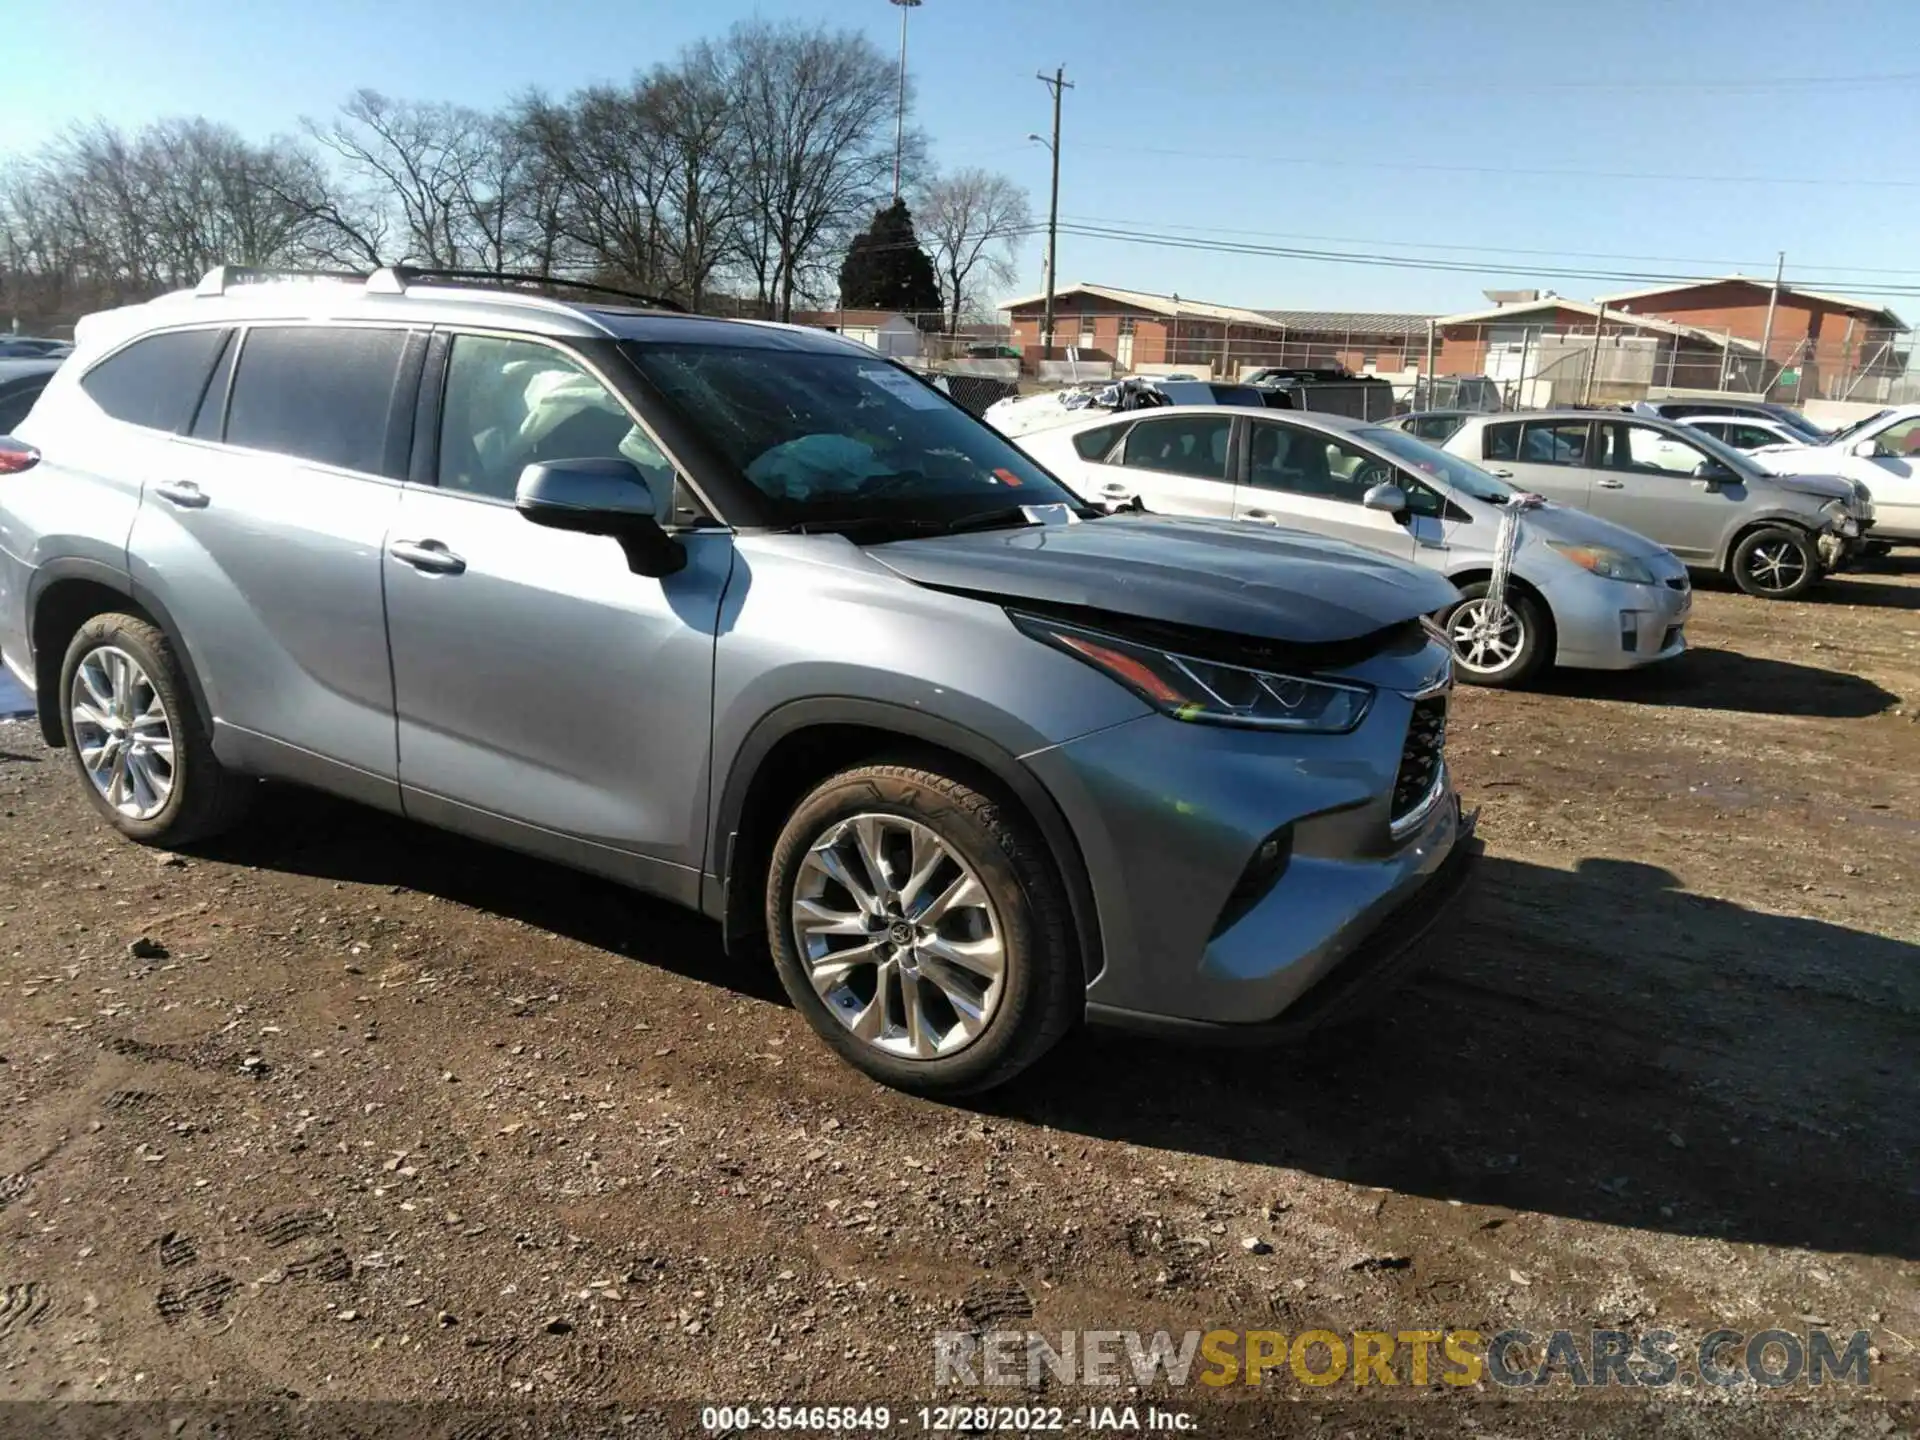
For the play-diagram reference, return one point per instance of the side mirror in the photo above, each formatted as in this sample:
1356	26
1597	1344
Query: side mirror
600	497
1713	472
1869	450
1387	497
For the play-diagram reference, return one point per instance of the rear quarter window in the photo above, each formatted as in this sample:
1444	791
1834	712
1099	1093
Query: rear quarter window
155	382
1098	443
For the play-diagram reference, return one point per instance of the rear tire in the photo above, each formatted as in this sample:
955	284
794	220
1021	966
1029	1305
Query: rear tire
137	739
1513	652
950	970
1775	562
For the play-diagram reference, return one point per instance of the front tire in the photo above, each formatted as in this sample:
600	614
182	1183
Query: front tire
1775	562
138	740
919	925
1499	652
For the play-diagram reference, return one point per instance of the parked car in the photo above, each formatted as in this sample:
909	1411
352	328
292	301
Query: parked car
1745	433
1674	409
1582	593
1433	426
29	347
748	617
21	382
1713	507
1880	452
1333	390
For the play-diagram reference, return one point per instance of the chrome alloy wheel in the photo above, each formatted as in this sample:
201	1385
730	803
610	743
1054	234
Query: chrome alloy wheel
898	936
1776	566
1481	643
123	732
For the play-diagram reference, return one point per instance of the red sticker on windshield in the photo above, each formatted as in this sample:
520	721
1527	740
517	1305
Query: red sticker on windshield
1007	477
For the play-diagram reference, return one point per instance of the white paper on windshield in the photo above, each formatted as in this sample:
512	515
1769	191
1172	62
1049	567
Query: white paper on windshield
904	387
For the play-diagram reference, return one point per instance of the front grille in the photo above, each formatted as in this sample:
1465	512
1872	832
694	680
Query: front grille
1421	757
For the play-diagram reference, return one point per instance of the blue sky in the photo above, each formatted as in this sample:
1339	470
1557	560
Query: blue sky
1423	130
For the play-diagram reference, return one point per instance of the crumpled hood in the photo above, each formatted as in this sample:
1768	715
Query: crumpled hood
1222	575
1828	487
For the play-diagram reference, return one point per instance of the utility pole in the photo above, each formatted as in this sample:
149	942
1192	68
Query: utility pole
1593	362
900	111
1056	82
1766	336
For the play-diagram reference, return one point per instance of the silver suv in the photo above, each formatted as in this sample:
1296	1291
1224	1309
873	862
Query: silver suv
1773	535
747	617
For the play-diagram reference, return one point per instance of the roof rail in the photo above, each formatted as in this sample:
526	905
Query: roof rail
222	278
394	279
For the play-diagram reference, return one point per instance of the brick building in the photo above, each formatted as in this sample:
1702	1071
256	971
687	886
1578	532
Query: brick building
1818	340
1135	328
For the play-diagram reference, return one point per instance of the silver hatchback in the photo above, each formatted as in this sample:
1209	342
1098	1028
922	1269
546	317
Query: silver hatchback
1773	535
1579	592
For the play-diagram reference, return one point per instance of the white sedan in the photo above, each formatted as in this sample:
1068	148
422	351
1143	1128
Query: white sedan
1882	452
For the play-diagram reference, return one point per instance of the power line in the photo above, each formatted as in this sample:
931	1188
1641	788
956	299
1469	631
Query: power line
1720	265
1268	158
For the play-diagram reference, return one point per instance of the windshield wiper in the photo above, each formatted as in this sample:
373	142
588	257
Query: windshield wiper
999	517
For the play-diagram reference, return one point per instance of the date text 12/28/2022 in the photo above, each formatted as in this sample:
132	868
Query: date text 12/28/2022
943	1419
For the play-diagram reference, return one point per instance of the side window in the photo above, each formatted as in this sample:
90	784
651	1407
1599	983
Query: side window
1309	462
316	393
155	382
1901	439
510	403
1546	443
1500	442
1650	451
1193	445
1748	437
1096	444
1422	501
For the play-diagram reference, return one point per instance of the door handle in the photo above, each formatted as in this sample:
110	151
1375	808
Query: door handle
1611	484
184	493
427	555
1114	488
1261	516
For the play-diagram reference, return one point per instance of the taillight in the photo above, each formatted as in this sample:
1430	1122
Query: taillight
16	456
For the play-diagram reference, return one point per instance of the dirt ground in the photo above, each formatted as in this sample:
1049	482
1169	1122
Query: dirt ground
387	1115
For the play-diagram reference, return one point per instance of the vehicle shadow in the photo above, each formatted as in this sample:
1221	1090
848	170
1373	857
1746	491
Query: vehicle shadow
314	834
1854	589
1593	1044
1709	679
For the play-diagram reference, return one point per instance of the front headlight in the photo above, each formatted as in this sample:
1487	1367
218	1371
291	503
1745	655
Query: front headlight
1606	562
1208	691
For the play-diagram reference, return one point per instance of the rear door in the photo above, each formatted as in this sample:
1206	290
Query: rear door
1306	479
261	538
1548	457
1177	464
548	697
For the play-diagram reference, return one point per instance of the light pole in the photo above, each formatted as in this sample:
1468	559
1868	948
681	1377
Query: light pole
900	111
1058	83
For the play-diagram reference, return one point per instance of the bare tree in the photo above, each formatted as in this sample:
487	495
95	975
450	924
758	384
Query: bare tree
432	166
815	121
973	221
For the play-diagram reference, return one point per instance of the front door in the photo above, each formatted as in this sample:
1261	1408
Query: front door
547	696
1308	480
1894	479
1646	481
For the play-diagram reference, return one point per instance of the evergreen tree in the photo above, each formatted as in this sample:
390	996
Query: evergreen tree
886	269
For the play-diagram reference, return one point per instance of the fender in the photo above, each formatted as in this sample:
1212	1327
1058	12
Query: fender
47	681
908	724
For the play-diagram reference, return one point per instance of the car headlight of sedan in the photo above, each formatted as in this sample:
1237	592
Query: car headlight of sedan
1209	691
1605	561
1839	520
